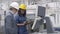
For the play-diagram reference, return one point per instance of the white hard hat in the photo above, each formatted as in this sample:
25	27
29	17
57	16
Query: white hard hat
15	5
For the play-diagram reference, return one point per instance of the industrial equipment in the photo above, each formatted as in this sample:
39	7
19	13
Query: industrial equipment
36	13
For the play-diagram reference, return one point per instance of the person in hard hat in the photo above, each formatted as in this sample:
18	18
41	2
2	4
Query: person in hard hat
21	19
10	25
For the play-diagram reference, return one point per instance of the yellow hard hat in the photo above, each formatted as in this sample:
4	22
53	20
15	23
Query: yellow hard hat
22	6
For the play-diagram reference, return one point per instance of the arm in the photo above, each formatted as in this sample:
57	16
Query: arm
25	23
8	21
21	24
28	22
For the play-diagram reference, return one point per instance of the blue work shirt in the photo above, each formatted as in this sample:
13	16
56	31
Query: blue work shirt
21	20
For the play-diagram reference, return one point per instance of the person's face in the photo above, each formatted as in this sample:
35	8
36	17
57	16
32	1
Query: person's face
22	11
14	10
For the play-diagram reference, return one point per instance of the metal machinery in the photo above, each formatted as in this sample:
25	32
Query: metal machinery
37	14
51	14
53	17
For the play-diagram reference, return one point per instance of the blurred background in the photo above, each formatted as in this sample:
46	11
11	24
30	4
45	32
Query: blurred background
52	9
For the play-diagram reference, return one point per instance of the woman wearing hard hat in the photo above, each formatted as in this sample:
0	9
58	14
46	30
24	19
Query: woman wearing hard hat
21	19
